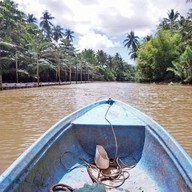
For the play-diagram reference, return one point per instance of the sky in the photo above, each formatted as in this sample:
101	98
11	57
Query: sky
103	24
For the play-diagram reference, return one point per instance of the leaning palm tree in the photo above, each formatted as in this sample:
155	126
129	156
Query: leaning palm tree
46	24
131	42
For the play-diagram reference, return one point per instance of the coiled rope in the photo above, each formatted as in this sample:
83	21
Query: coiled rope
112	177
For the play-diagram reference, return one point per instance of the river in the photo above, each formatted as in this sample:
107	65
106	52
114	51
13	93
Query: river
25	114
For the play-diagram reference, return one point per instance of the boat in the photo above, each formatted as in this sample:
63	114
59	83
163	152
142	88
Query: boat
106	144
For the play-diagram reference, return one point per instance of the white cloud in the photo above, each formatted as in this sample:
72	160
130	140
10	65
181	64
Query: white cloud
97	23
32	7
95	41
111	17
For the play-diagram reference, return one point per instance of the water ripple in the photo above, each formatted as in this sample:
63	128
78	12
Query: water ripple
27	113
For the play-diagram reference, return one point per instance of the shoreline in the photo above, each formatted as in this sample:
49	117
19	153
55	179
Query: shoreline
9	86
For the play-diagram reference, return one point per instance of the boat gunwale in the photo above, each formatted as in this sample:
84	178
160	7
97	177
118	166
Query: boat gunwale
163	136
32	153
35	150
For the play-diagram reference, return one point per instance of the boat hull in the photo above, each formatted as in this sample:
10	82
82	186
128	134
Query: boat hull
156	161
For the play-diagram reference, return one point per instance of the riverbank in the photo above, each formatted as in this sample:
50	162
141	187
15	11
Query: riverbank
8	86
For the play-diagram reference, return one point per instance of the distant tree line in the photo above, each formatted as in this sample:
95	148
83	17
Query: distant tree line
37	50
34	49
167	55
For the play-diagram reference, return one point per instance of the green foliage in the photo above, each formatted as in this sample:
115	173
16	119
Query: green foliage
179	70
182	68
166	56
32	49
89	56
186	61
156	55
131	42
107	67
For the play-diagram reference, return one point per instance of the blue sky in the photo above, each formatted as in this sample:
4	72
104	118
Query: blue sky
102	24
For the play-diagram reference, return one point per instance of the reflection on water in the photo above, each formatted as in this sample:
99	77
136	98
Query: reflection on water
25	114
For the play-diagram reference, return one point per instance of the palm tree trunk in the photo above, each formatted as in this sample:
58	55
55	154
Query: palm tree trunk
37	71
70	73
16	67
190	72
88	75
66	76
76	74
1	83
59	71
81	73
56	72
58	68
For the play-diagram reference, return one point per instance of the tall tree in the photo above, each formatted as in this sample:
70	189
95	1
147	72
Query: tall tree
89	56
156	55
186	28
131	42
30	18
102	58
69	35
46	24
10	18
57	33
172	19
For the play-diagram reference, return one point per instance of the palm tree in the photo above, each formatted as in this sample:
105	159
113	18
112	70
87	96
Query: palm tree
30	18
133	53
131	42
147	38
10	18
163	25
102	58
57	33
172	18
41	55
186	27
69	35
45	23
5	56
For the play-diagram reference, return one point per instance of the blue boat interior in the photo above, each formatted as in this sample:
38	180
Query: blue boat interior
152	166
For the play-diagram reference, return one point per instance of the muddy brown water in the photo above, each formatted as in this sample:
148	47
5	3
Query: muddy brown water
25	114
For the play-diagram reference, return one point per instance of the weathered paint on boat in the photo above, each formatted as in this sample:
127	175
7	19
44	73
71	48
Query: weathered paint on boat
161	164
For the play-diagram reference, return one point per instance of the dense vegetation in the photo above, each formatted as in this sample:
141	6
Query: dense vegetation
34	49
167	55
